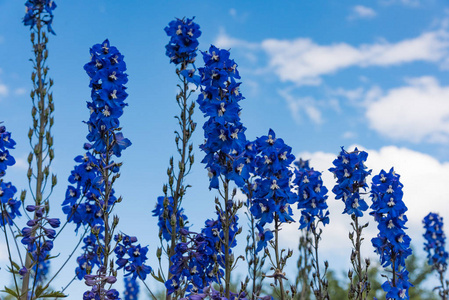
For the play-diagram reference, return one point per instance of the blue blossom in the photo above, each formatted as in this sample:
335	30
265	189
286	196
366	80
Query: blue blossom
39	10
183	44
312	196
225	140
272	192
435	241
392	243
90	257
132	257
106	70
351	173
164	211
200	259
131	289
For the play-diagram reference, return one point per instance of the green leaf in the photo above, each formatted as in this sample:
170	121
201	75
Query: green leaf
11	292
53	294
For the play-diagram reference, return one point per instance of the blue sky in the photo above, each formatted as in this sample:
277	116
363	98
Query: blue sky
322	74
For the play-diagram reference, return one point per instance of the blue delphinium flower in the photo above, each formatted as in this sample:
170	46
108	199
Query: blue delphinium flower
312	197
435	247
164	212
39	10
351	174
392	243
131	289
131	257
107	78
90	198
435	241
272	192
200	260
6	160
225	140
92	255
183	44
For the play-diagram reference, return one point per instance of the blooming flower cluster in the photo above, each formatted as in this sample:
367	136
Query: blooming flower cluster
184	34
131	289
199	260
97	292
107	78
90	258
210	293
82	197
164	211
132	257
38	236
9	206
312	196
435	241
39	10
224	133
272	192
6	160
351	174
391	243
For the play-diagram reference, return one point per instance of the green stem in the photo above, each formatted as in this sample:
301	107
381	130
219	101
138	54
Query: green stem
38	150
278	260
226	226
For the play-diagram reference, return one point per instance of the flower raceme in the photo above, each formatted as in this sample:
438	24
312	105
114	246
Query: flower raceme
351	173
107	79
39	10
392	244
312	196
10	206
183	44
225	140
435	241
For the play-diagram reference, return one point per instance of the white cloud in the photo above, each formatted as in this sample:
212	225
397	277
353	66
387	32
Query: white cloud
362	12
302	61
424	179
300	105
4	91
20	91
409	3
233	12
223	40
416	112
349	135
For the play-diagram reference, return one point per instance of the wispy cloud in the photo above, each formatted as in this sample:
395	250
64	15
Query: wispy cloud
302	106
304	62
408	3
4	91
416	112
362	12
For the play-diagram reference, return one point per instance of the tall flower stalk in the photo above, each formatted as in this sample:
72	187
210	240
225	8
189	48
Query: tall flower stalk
181	50
351	173
39	13
225	141
436	252
106	70
273	195
312	202
392	244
